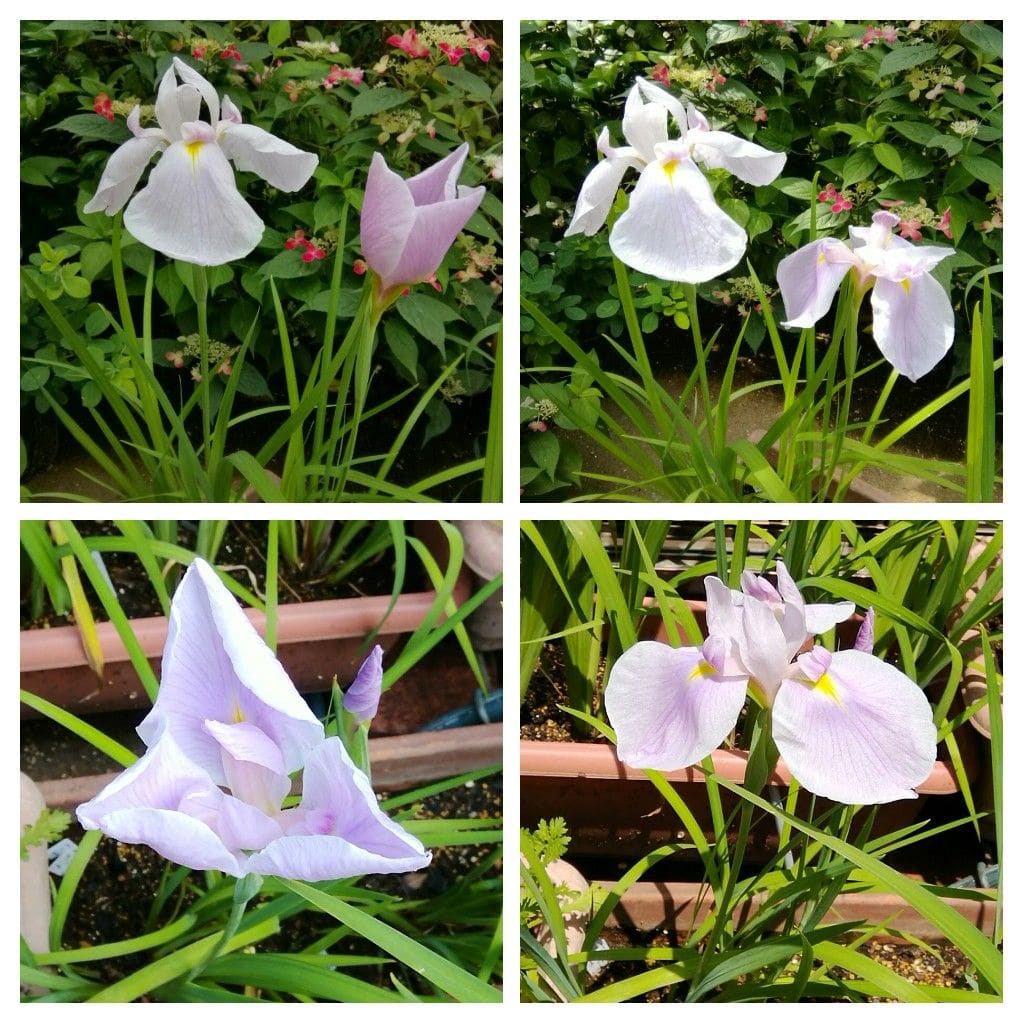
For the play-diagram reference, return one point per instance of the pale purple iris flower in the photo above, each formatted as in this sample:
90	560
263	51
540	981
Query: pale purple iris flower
913	317
191	209
225	734
673	228
849	726
408	224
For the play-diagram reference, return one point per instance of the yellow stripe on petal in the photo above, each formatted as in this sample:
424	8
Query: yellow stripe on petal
669	167
192	148
906	284
702	670
825	686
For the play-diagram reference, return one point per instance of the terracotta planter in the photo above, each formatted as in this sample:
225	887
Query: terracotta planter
614	811
399	762
681	906
316	640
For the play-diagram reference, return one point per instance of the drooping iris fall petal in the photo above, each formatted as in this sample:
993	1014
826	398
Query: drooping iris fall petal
670	707
854	729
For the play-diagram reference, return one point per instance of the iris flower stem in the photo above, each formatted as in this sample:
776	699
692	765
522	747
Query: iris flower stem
365	323
200	285
690	291
332	323
847	314
245	889
117	266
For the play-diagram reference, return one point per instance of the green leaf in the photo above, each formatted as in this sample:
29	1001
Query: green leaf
860	164
40	170
434	968
901	58
983	169
251	382
403	347
986	38
373	101
544	450
34	378
607	309
427	317
76	287
278	32
889	157
93	126
795	188
772	61
472	85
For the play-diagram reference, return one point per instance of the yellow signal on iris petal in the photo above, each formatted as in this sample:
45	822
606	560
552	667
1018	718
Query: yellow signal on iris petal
237	715
827	687
669	167
906	284
703	669
192	148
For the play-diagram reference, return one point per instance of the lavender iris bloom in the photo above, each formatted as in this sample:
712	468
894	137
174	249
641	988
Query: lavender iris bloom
913	317
407	225
227	730
191	208
849	726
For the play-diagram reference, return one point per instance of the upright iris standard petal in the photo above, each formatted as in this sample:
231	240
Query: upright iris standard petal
670	707
854	729
227	717
600	185
913	317
191	209
217	667
673	228
406	227
913	323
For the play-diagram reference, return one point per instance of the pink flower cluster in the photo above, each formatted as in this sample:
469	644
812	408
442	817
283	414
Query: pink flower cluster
312	250
838	200
910	227
103	105
338	74
230	53
409	43
716	79
873	35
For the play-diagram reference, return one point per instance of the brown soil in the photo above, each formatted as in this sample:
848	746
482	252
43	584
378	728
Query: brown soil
243	555
942	965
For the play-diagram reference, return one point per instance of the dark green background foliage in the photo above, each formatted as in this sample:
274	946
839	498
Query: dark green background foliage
882	121
66	144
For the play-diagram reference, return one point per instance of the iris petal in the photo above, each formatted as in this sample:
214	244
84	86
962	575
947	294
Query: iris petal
809	281
913	323
668	706
673	229
862	733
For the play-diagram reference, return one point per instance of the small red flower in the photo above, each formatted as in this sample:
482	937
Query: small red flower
944	223
660	74
103	106
453	53
408	43
359	268
761	115
231	53
198	52
539	426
